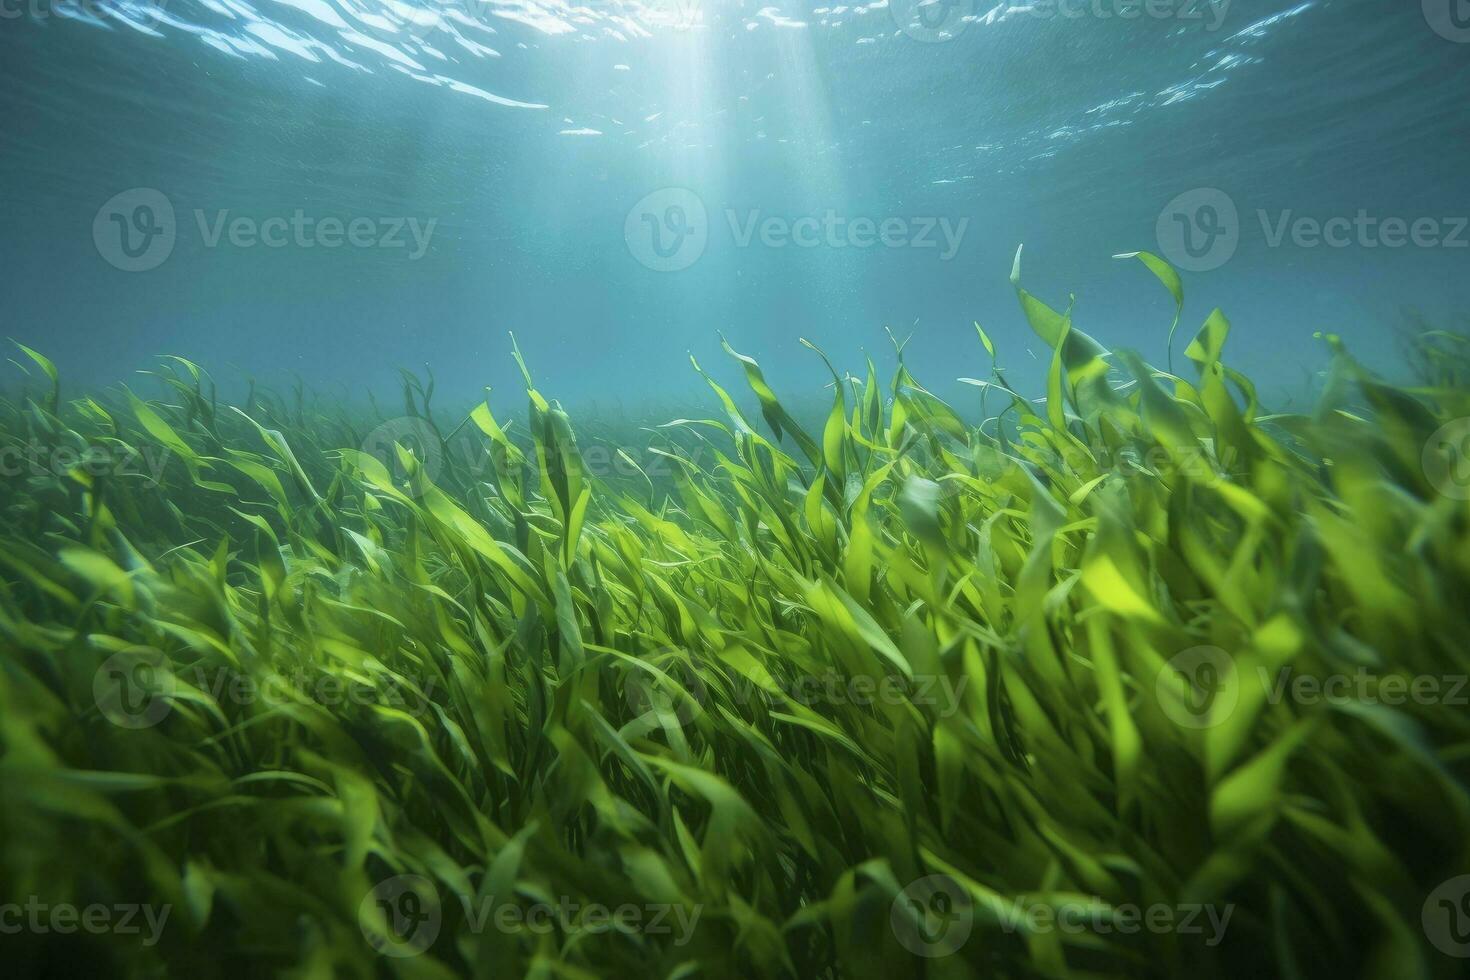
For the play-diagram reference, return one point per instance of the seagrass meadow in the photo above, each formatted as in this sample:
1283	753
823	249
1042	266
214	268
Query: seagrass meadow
906	693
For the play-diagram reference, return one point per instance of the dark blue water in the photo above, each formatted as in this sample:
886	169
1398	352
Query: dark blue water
337	188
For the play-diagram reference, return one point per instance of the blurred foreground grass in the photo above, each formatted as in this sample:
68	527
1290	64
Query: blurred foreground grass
1135	680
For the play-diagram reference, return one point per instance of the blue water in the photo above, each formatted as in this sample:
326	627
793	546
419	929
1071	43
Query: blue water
620	182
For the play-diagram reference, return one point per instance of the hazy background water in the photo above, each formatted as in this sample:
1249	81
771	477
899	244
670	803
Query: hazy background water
550	146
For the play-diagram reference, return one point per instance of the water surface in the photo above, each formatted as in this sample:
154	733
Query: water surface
620	182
